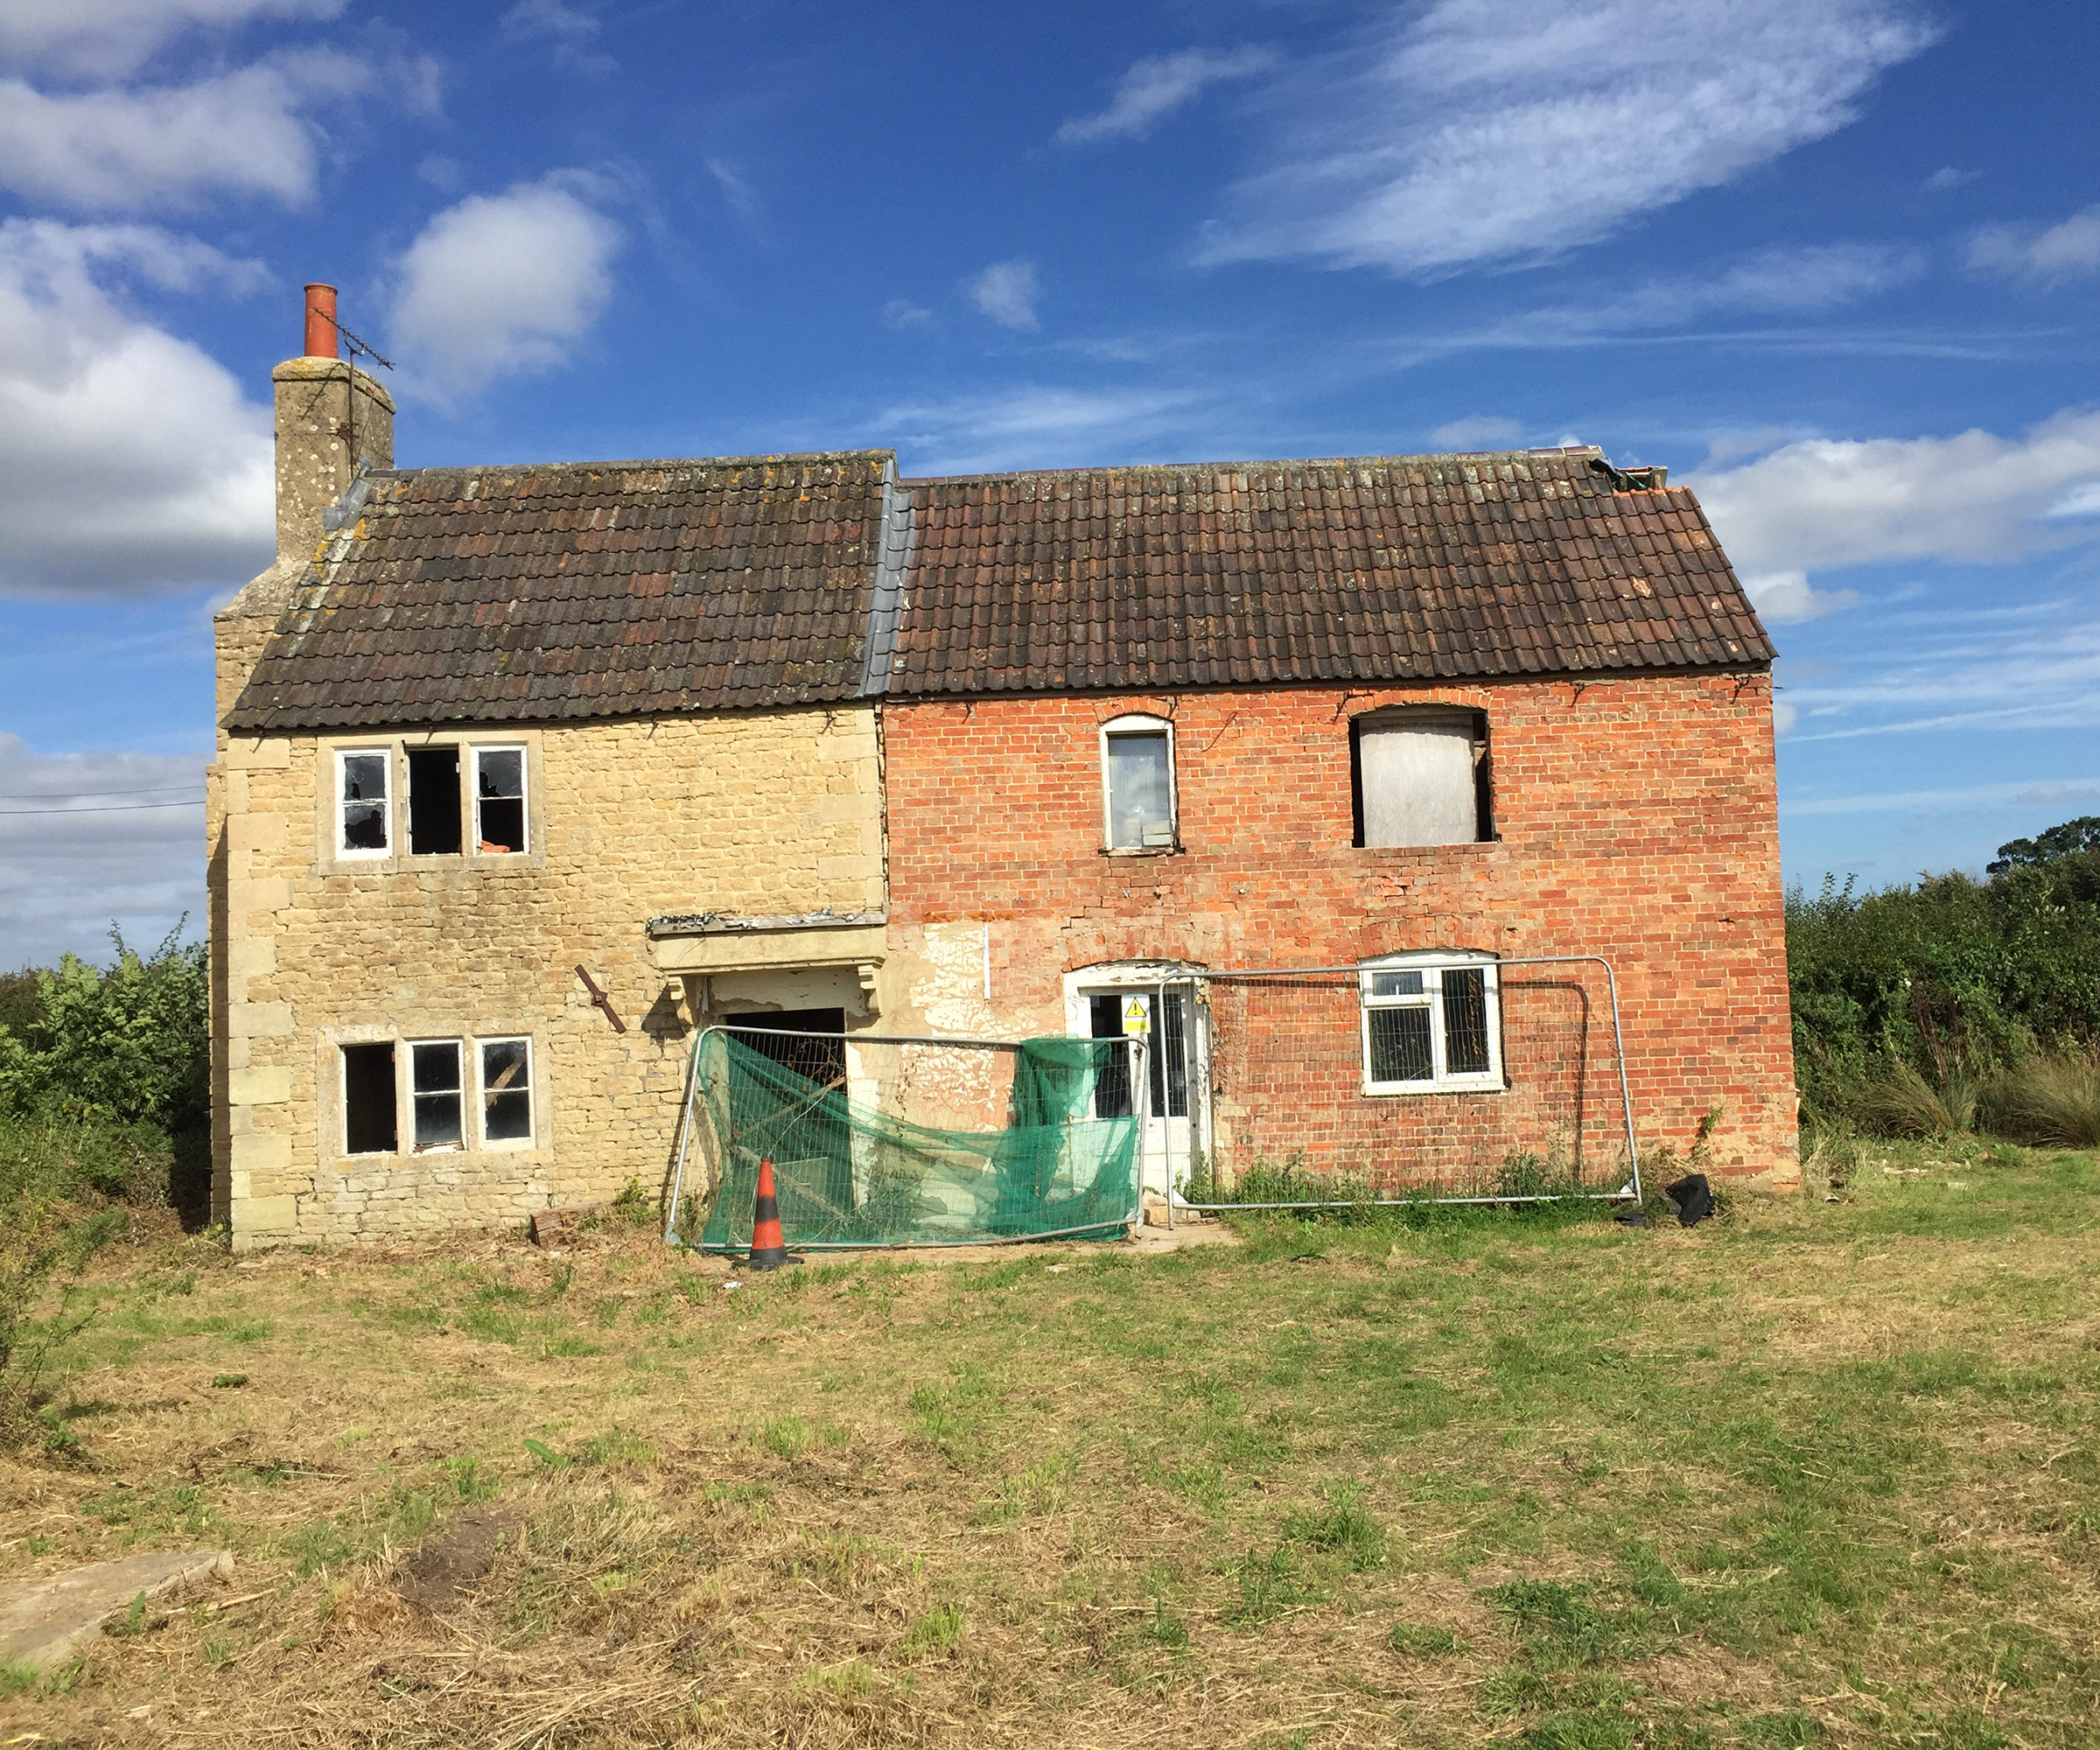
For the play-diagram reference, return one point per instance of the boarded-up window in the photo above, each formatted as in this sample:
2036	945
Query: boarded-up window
1421	776
1137	783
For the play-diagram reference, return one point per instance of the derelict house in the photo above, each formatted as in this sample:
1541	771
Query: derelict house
527	774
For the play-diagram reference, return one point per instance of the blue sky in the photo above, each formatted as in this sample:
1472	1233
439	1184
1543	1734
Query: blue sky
1836	261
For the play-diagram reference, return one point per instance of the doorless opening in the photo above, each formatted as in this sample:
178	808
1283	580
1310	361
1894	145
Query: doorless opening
369	1121
820	1058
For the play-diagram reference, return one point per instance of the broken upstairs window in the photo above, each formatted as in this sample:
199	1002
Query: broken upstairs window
370	1123
363	810
434	802
500	798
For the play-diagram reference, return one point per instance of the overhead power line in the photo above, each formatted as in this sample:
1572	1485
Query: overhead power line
107	808
68	795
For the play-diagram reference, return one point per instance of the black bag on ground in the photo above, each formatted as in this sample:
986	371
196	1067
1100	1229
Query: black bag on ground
1693	1197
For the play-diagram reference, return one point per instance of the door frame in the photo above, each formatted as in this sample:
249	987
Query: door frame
1151	977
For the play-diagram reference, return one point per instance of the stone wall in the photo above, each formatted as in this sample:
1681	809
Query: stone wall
1637	820
754	815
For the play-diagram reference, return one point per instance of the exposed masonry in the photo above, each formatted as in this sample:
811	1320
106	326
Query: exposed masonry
800	733
1636	818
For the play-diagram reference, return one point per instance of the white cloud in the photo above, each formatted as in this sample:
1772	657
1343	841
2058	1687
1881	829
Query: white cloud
1784	717
107	38
1506	130
1006	292
1782	596
2051	792
902	312
2047	254
1975	497
1482	431
571	30
66	877
1158	86
124	151
1947	176
503	284
1035	427
130	460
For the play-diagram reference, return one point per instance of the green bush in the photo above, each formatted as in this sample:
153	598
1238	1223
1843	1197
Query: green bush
130	1042
1920	996
105	1108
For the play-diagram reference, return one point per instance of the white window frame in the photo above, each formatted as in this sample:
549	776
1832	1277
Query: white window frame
344	851
413	1146
473	787
1432	966
531	1137
1140	723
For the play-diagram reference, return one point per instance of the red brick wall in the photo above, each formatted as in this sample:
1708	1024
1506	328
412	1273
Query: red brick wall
1638	820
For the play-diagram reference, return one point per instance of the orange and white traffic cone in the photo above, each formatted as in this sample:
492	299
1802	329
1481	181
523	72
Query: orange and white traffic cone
768	1248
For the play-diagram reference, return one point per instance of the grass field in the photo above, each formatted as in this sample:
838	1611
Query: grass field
1812	1473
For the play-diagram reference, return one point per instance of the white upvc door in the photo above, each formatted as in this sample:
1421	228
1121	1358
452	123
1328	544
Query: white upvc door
1157	1003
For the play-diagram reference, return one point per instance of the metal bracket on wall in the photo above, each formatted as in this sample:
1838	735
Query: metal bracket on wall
600	999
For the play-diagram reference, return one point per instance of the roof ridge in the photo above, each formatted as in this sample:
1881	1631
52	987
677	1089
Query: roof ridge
776	457
1271	462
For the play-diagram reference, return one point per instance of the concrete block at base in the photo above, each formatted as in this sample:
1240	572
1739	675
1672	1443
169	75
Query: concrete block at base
43	1622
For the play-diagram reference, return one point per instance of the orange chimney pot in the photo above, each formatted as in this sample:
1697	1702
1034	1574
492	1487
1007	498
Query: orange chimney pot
321	341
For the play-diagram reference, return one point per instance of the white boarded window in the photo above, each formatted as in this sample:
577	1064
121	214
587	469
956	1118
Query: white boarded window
1431	1024
364	801
1421	776
1137	783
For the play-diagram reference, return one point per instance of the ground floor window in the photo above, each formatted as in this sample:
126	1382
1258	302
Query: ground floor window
442	1108
370	1121
1431	1023
437	1095
506	1090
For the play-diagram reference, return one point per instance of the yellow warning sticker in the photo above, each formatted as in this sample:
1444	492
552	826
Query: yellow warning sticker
1136	1017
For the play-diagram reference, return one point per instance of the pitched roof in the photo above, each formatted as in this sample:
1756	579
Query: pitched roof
463	595
1379	569
587	590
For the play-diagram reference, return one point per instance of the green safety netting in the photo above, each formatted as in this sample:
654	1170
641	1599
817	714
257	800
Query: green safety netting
849	1174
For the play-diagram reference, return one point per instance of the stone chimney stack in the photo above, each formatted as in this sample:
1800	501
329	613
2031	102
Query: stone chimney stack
331	416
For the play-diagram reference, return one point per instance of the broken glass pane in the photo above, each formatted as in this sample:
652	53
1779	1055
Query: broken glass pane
500	797
364	801
506	1091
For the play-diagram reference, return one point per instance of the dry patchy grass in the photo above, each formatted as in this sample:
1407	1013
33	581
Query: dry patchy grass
1814	1474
